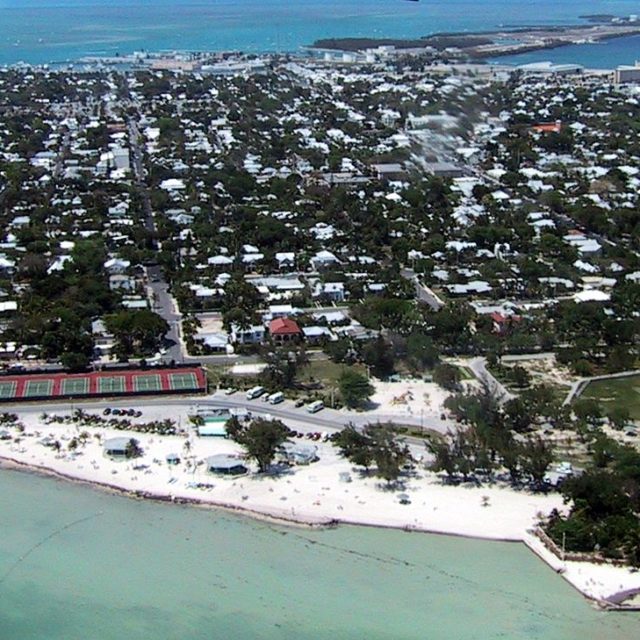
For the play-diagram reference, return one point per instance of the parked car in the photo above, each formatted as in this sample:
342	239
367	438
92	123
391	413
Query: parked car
255	392
316	406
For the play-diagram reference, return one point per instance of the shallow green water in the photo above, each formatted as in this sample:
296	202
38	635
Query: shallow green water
79	564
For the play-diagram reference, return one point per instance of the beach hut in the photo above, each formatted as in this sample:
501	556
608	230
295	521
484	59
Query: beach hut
223	464
116	447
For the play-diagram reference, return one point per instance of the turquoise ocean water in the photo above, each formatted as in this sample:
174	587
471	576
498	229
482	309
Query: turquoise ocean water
77	564
45	31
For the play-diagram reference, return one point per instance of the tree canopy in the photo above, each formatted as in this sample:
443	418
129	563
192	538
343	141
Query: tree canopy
374	444
261	438
355	388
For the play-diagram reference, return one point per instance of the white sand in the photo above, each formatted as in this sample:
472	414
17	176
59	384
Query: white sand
409	398
312	494
247	369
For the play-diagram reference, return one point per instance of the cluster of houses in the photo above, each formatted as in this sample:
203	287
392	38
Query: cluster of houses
315	181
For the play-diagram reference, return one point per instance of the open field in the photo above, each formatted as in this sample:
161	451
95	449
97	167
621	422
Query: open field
624	392
327	372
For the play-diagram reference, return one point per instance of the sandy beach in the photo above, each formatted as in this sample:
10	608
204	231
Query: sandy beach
317	494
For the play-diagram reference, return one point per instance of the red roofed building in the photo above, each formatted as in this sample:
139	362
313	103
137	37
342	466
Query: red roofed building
503	323
284	329
548	127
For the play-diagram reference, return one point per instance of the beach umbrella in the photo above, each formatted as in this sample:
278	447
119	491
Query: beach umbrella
403	498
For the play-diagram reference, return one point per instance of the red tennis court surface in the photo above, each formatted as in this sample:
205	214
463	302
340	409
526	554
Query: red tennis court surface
126	382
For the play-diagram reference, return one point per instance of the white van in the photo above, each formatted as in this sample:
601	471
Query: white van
316	406
276	398
255	392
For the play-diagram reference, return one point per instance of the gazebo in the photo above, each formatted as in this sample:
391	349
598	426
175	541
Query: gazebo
225	465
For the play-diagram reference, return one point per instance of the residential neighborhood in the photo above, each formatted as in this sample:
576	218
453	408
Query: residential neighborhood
347	201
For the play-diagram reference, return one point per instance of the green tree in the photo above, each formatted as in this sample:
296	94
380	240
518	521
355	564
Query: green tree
447	376
618	416
74	361
283	365
137	332
261	439
375	444
355	446
536	458
517	415
421	352
355	388
378	354
444	457
588	410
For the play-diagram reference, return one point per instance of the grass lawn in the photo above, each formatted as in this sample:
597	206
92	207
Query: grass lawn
324	371
623	392
214	373
327	372
417	432
465	373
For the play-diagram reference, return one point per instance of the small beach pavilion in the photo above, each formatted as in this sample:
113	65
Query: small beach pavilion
116	447
225	465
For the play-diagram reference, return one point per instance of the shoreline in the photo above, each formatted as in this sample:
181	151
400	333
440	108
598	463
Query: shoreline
12	464
557	36
531	541
528	40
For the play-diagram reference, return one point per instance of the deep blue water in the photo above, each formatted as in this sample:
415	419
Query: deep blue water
599	55
41	31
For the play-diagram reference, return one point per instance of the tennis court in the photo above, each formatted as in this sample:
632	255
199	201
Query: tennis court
116	382
182	381
8	390
111	384
147	383
75	386
38	389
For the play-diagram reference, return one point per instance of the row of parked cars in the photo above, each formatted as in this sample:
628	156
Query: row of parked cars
278	397
122	412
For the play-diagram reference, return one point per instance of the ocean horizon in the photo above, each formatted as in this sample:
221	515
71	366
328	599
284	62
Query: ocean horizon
40	32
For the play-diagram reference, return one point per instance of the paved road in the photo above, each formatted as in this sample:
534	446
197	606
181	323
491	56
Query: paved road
542	355
163	304
580	385
325	420
479	368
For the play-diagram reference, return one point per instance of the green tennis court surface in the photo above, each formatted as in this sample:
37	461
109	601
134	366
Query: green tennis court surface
8	389
111	384
181	381
38	388
149	382
75	386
